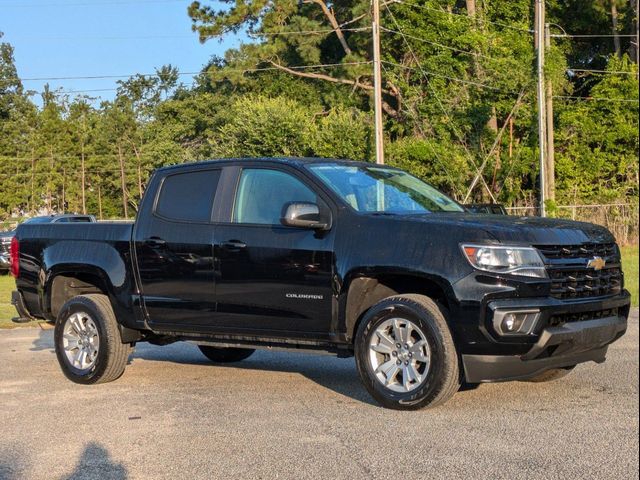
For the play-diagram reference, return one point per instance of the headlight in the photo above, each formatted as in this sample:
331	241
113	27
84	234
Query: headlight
524	261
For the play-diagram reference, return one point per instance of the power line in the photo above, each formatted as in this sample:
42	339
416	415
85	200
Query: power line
222	69
590	70
308	32
108	37
71	174
568	35
459	15
91	90
89	4
464	52
88	156
424	40
454	79
174	36
99	77
598	99
440	104
433	150
177	35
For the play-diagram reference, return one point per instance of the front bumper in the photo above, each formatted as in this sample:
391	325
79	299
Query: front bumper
557	347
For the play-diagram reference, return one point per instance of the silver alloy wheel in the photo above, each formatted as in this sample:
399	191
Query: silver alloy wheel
80	341
400	355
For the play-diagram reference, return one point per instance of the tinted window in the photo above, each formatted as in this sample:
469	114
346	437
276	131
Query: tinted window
262	195
380	189
38	220
188	196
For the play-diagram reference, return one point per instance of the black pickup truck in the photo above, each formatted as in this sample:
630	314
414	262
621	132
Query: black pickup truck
332	256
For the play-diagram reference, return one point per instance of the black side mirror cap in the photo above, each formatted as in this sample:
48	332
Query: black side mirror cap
304	215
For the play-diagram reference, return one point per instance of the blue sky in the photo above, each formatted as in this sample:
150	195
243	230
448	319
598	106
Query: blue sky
69	38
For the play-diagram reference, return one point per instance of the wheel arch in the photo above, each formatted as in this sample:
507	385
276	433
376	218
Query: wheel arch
366	290
65	281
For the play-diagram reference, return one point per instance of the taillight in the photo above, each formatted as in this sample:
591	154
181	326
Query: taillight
14	252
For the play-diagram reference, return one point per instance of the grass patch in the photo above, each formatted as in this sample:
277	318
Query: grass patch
7	311
630	268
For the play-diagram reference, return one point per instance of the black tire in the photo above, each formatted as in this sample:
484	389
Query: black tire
551	375
225	355
112	355
443	375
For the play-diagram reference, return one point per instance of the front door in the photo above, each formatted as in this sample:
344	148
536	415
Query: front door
174	250
272	277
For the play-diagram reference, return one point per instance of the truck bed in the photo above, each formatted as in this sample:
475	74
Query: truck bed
71	247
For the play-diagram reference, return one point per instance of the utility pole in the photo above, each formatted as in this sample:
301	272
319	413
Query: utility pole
377	82
637	37
99	200
539	45
550	169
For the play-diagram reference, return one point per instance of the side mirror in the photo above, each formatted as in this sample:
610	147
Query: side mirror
304	215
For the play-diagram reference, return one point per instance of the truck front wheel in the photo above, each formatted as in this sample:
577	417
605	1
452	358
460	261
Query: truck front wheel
405	354
225	355
87	341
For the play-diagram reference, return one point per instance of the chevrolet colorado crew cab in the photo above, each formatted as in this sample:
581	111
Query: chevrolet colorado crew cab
344	257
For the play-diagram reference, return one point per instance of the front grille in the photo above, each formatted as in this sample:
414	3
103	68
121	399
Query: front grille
570	277
585	250
581	283
557	320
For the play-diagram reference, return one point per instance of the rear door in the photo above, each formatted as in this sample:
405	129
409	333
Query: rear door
271	277
173	243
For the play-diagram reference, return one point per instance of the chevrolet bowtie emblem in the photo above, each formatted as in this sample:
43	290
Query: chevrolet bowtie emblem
597	263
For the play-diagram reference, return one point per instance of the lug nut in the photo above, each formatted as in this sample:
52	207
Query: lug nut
394	353
398	362
406	363
398	345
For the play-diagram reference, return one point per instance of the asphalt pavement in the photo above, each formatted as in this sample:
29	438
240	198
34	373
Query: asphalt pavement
295	416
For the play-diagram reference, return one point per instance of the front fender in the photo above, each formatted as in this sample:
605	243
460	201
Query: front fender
363	287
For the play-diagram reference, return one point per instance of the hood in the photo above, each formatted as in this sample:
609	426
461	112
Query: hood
519	230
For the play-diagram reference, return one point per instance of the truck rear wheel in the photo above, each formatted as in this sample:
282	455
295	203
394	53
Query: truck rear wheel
225	355
87	341
405	354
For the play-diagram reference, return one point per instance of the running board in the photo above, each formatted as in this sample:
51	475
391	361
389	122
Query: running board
22	320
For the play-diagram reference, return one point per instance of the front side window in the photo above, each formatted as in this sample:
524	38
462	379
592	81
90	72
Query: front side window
188	196
263	194
383	190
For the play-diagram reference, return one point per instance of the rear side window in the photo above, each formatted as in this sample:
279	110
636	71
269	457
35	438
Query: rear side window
188	196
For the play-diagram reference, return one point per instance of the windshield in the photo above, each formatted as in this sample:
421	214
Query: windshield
383	190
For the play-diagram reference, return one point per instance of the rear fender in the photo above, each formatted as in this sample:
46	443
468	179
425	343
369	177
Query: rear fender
102	264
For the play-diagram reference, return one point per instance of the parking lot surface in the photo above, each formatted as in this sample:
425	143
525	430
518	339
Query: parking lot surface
289	415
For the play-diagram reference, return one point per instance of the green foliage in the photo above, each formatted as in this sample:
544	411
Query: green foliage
432	162
630	259
341	133
597	141
261	127
449	86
